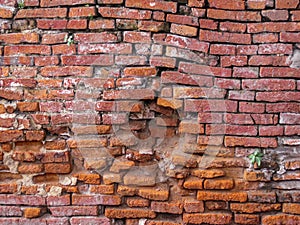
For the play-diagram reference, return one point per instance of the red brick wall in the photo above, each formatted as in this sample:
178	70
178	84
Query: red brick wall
144	112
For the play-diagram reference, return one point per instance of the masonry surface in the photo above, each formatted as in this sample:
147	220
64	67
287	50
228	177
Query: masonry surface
144	112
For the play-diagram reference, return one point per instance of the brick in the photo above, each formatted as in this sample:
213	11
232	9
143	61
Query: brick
6	13
50	3
162	61
227	83
120	48
152	26
250	142
213	36
138	178
228	61
228	4
193	105
78	24
103	37
295	15
137	37
27	49
10	135
129	94
191	127
82	12
124	13
223	196
289	118
193	206
80	60
59	200
158	193
212	173
183	30
101	24
17	38
28	106
254	4
208	24
64	49
180	78
42	13
73	211
247	49
262	196
140	71
22	200
289	37
32	212
184	42
291	130
292	208
233	15
88	220
11	94
288	4
275	49
246	219
207	218
265	38
250	107
120	213
277	96
56	71
153	5
270	131
218	49
46	61
52	24
276	15
7	211
137	202
254	207
205	70
197	92
280	218
233	27
265	118
272	27
182	19
102	189
282	108
193	183
96	200
268	84
30	168
167	207
59	168
258	60
196	3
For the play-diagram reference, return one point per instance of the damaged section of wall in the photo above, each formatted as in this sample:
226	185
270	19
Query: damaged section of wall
146	112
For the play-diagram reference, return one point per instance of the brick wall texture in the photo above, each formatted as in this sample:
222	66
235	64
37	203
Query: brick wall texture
144	112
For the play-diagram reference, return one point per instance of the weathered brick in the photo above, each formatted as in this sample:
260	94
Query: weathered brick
276	15
213	36
27	49
246	219
280	218
183	30
275	49
254	207
42	13
268	84
61	211
88	220
52	24
286	4
96	200
120	48
233	15
207	218
32	212
101	24
223	196
228	4
124	13
251	142
120	213
154	5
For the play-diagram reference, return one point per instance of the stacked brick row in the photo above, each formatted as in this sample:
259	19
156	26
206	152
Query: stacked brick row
144	112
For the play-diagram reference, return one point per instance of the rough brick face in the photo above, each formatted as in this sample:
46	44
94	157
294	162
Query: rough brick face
126	111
